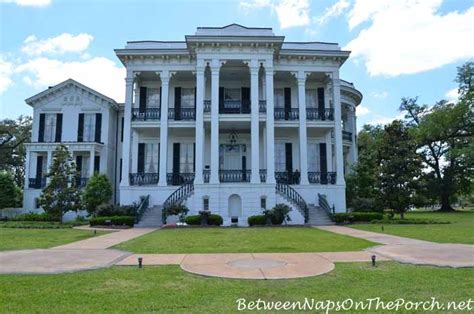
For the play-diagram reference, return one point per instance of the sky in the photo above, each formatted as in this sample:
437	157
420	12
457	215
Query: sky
399	48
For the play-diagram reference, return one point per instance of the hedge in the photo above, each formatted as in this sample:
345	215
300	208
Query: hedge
257	220
34	217
357	217
113	221
214	220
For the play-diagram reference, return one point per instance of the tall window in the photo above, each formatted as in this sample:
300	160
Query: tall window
187	98
279	98
50	127
151	157
313	157
311	98
85	167
89	127
280	157
153	97
186	158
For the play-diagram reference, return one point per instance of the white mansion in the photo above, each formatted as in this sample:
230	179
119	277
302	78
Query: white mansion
233	120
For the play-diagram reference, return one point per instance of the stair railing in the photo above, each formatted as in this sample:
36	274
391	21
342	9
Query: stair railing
177	197
324	204
142	207
294	197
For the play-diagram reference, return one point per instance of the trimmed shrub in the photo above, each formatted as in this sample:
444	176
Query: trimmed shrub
113	221
215	220
107	210
195	220
34	217
257	220
357	217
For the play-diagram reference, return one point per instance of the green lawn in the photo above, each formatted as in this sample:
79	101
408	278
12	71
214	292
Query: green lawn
243	240
460	230
19	239
169	289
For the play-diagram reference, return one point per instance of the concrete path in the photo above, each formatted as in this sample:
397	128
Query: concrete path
413	251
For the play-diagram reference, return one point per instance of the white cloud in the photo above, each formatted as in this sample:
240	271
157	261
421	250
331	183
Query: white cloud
290	13
362	110
98	73
60	44
6	71
333	11
380	119
452	95
379	95
409	36
33	3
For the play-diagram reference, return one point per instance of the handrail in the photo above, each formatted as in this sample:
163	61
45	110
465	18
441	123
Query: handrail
293	196
324	204
177	197
142	207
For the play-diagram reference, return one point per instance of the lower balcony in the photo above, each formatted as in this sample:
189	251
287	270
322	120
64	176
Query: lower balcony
176	178
36	183
322	177
234	175
288	177
143	178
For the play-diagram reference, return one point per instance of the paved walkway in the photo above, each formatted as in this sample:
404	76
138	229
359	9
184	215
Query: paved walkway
412	251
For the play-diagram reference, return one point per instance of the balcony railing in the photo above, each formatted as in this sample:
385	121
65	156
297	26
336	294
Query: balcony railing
207	106
347	136
285	114
322	177
263	175
143	114
262	106
235	106
173	178
320	114
81	182
182	114
288	177
234	175
37	183
144	178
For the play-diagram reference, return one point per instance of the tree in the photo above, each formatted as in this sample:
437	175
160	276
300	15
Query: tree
13	135
399	167
98	191
10	193
444	134
61	194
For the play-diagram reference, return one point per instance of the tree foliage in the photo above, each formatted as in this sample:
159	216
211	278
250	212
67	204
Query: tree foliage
13	135
10	193
98	191
61	194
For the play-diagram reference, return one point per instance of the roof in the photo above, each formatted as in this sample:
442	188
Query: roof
234	30
69	82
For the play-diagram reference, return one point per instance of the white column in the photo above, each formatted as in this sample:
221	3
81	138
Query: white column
127	118
336	96
27	169
165	80
329	151
215	68
270	125
134	150
254	132
198	179
302	129
91	162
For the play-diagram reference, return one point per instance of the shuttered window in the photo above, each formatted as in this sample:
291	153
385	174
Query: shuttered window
50	127
89	127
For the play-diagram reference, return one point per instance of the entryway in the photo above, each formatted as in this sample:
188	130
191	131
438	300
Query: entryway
235	208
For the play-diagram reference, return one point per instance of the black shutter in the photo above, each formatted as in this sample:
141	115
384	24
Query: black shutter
321	103
221	97
245	94
121	132
177	103
98	127
120	171
39	167
141	158
160	96
176	153
41	128
80	128
59	127
79	164
323	165
142	104
195	97
244	168
289	157
96	164
194	157
287	102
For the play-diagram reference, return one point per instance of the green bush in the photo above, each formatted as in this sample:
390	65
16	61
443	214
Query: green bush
195	220
257	220
357	217
34	217
113	221
10	193
177	209
215	220
97	191
107	210
360	204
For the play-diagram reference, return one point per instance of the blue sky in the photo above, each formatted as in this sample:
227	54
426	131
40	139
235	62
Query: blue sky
400	48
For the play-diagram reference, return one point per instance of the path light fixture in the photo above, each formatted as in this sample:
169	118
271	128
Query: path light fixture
140	262
373	260
382	228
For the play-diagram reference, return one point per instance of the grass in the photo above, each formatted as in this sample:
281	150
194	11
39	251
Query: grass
460	229
243	240
168	289
20	239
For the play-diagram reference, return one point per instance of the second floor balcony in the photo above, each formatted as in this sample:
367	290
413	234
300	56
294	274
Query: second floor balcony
317	114
182	114
144	114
